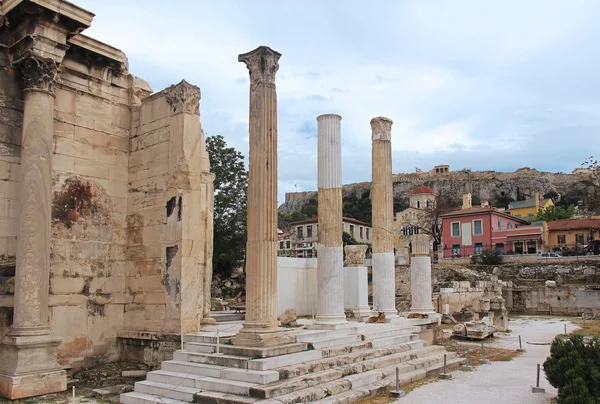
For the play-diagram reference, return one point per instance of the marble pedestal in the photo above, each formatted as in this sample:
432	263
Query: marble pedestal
356	292
28	367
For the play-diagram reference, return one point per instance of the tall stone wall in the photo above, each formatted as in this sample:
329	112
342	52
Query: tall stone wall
169	233
89	208
132	200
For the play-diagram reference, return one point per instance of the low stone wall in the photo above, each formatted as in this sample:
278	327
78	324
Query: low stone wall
533	259
296	285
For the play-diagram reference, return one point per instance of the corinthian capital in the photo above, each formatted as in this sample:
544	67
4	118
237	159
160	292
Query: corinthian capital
38	73
262	63
183	97
381	128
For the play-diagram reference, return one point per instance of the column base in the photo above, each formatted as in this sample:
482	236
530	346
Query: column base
360	313
15	387
331	320
263	337
29	367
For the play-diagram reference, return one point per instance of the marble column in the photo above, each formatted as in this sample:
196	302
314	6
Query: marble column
420	275
356	282
330	261
29	364
382	199
261	327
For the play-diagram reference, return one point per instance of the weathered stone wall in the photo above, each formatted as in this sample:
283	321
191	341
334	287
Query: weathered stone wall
87	278
523	286
131	242
169	232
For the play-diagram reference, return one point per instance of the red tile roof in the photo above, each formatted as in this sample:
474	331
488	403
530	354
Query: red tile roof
477	210
574	224
422	190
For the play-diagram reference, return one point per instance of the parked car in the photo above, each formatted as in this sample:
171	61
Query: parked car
550	255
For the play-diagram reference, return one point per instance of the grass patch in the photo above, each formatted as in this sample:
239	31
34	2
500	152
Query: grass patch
591	328
491	353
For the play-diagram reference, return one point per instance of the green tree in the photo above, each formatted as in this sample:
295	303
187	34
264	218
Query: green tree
444	201
574	369
502	200
230	186
553	213
357	205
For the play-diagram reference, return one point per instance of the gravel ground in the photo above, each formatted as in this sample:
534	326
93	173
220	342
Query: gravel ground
501	382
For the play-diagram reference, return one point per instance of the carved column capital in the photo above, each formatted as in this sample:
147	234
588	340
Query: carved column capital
262	63
183	97
381	128
38	73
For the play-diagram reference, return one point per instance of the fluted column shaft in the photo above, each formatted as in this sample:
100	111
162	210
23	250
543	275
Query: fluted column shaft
261	247
384	287
32	274
330	275
420	275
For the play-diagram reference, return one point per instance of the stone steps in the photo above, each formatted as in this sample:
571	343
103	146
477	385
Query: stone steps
326	342
209	338
357	361
242	375
347	359
364	372
228	349
200	382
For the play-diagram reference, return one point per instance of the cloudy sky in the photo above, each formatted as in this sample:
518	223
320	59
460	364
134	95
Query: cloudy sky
486	85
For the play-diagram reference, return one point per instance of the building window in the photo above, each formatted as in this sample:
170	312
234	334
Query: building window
500	248
309	231
478	248
509	226
427	203
478	227
499	224
531	247
299	232
456	250
561	239
361	232
352	230
518	247
579	238
418	204
456	229
287	244
368	235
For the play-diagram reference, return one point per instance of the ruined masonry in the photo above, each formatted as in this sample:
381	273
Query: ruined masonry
105	204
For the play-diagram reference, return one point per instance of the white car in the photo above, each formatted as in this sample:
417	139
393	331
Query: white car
550	255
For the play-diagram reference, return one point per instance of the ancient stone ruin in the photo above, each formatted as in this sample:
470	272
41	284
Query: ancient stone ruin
105	203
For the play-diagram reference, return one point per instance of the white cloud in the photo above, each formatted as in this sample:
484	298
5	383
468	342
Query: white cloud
465	81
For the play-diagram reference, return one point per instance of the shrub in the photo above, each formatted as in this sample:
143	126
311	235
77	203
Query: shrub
574	369
488	257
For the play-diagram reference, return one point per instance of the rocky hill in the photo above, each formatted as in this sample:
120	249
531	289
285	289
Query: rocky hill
485	185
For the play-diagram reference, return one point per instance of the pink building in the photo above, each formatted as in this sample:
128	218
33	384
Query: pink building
471	230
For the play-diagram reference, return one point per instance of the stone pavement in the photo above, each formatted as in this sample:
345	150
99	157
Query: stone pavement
505	382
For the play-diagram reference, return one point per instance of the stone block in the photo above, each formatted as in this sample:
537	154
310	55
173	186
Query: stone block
67	300
150	298
113	284
73	148
66	286
17	387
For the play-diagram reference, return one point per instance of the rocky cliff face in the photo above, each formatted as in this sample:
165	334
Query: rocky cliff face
483	184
